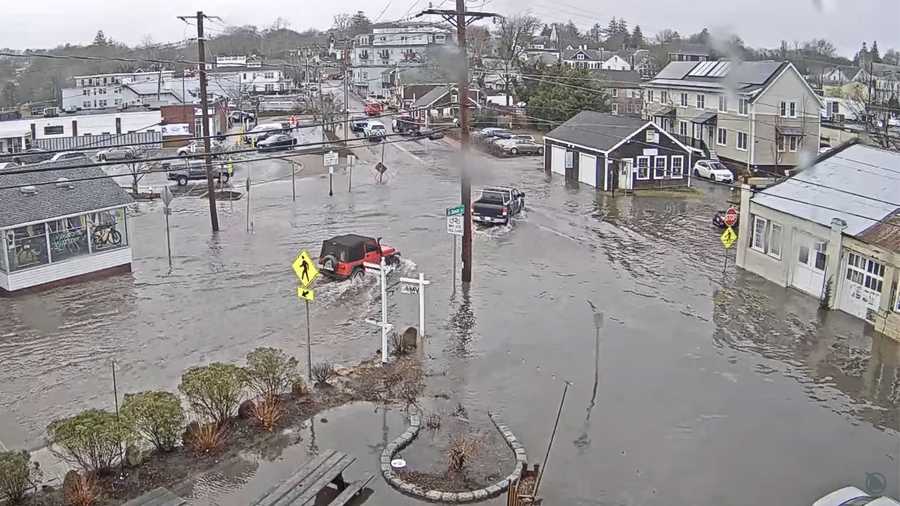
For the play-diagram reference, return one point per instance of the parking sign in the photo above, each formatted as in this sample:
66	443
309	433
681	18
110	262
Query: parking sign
455	220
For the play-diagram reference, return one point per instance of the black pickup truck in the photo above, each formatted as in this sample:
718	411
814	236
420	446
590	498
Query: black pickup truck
497	205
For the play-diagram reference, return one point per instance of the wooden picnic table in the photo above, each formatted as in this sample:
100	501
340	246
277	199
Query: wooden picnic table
304	486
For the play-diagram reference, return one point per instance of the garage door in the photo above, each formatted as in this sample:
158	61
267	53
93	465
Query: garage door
861	286
558	160
587	169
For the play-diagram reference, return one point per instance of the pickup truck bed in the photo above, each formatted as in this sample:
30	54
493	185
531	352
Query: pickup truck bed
497	205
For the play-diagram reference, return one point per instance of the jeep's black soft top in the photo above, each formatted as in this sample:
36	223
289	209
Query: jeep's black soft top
344	248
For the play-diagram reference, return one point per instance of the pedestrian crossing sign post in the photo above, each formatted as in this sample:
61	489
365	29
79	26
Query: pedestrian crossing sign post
728	237
306	272
305	269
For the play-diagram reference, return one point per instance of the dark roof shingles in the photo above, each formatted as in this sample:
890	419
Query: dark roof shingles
596	130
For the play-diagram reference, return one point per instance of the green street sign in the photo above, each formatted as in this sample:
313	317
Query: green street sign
456	211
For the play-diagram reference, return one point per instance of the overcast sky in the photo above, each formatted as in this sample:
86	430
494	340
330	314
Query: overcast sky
47	23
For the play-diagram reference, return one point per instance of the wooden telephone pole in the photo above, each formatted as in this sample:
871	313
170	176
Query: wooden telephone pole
204	105
461	18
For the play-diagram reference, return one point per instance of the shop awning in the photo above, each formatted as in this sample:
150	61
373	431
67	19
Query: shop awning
789	130
704	117
661	110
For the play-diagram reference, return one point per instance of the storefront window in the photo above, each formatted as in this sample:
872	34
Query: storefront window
27	247
3	267
108	230
68	238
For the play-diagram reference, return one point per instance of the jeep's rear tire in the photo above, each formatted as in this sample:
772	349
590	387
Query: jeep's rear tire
357	274
393	259
182	180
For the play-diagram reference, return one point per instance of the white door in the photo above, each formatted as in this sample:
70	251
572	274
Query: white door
558	160
809	267
587	169
626	167
861	286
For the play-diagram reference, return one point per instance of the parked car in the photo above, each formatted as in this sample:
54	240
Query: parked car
276	142
342	256
497	205
197	148
486	135
242	116
374	108
852	496
405	125
430	133
70	156
358	124
374	131
713	170
519	147
118	153
32	155
190	170
263	130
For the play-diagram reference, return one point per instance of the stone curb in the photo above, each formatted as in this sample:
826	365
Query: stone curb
411	489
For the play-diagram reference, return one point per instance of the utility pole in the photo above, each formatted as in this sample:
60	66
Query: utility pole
460	19
204	105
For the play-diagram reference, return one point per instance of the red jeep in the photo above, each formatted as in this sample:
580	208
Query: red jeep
342	256
373	108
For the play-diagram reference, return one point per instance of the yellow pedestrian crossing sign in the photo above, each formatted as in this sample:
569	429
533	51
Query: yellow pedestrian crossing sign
306	293
305	269
728	237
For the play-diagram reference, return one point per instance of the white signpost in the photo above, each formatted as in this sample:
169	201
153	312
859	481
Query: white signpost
330	159
417	286
385	326
166	195
351	159
455	222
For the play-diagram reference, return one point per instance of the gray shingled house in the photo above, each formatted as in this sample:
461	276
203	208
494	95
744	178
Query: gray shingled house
59	224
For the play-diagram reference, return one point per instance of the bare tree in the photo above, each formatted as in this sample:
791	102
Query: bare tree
478	39
341	24
515	35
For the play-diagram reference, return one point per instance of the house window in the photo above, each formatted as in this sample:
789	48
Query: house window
579	56
684	100
103	103
780	143
664	97
775	241
683	128
652	136
643	167
742	141
793	143
108	229
760	226
86	91
659	167
615	109
865	272
742	106
650	96
86	104
68	238
677	169
53	130
701	101
792	109
723	103
721	137
820	247
270	88
27	246
245	76
269	75
615	92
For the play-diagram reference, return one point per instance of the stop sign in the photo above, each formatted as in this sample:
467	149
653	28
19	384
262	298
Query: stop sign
731	216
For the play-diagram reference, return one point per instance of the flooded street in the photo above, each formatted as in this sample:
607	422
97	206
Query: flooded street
711	387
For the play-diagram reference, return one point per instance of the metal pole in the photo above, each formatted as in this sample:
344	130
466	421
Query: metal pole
168	240
116	397
724	267
349	177
248	200
293	180
384	340
204	104
422	304
550	443
330	181
465	183
308	346
454	263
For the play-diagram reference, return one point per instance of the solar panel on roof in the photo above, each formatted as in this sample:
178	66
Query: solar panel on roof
720	70
702	69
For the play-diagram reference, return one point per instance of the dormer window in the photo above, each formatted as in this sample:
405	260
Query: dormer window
579	56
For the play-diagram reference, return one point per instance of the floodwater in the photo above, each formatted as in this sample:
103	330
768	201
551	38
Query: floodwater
711	387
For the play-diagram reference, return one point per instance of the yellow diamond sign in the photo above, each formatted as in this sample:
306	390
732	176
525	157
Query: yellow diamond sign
306	293
728	237
305	269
